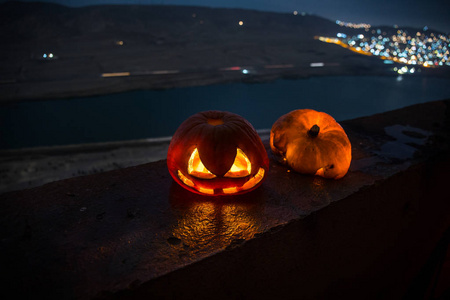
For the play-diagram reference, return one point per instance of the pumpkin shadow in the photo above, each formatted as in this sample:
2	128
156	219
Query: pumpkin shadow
215	222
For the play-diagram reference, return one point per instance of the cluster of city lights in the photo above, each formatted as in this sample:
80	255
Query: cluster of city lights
425	48
353	25
406	70
421	48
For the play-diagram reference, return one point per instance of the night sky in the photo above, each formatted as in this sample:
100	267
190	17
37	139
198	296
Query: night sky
434	14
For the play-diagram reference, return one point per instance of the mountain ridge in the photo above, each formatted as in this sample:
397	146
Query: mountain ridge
54	51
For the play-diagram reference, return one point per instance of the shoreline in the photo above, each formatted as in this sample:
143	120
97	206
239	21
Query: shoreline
65	89
104	50
30	167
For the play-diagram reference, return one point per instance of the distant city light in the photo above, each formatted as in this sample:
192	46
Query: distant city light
425	49
403	70
316	65
241	23
353	25
49	56
117	74
245	71
295	12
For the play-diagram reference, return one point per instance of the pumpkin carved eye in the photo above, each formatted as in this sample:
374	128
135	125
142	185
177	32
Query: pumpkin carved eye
196	167
241	166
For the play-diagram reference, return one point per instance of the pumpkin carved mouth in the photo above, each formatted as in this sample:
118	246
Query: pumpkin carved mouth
253	181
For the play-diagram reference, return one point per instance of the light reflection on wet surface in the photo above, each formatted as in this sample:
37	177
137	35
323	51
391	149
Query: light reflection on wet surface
214	222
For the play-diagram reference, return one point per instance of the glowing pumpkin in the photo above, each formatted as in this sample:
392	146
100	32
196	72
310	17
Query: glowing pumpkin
311	142
217	153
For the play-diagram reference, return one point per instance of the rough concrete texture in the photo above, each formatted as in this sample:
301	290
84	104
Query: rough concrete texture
134	233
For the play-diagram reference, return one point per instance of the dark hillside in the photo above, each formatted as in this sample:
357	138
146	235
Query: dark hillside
143	42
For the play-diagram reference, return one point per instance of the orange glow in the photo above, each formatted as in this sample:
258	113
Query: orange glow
206	224
248	185
313	143
206	191
118	74
196	167
185	180
216	150
254	180
320	172
232	190
241	166
215	122
338	42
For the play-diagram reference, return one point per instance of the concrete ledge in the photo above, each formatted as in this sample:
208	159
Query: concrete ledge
133	233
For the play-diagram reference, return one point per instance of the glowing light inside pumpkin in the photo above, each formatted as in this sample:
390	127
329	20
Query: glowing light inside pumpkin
231	190
196	167
185	180
206	191
241	166
248	185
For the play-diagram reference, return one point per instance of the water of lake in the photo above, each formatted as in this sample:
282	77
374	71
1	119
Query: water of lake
144	114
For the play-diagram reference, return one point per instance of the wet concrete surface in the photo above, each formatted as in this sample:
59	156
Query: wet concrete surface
134	233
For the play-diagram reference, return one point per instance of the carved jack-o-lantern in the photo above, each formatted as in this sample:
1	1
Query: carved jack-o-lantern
311	142
217	153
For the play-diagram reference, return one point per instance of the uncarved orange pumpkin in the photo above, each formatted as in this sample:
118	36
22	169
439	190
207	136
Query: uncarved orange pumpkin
217	153
311	142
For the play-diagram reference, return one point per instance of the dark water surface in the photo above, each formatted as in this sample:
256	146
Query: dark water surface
145	114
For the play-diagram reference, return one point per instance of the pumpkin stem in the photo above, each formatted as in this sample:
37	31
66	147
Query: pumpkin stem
215	122
314	131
